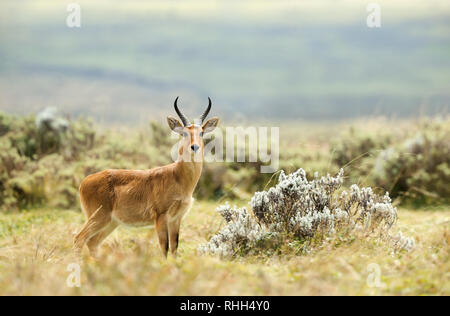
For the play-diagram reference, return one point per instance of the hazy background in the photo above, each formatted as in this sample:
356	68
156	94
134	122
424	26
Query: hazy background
268	60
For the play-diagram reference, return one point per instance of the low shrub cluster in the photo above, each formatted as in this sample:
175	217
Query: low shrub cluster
35	158
412	163
417	169
298	210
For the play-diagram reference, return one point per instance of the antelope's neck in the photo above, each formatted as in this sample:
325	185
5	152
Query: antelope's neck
189	173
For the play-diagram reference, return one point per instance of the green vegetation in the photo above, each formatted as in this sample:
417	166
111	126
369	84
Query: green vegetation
412	162
43	166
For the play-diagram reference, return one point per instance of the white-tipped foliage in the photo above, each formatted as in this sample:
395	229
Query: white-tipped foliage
242	230
303	209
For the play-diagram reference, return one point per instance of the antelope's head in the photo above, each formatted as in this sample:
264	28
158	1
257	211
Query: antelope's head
192	144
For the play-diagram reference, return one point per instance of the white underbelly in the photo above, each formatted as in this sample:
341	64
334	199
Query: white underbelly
134	224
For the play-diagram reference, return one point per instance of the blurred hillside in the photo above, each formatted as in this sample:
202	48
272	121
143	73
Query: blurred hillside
258	59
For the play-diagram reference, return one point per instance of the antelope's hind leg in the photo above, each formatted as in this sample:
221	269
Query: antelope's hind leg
96	240
94	225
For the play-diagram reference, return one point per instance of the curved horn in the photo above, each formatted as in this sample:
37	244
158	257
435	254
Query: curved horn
182	117
205	114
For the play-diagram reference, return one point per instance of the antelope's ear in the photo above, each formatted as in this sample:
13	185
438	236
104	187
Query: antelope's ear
210	125
175	125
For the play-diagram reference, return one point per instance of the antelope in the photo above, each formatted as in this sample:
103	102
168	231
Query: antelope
159	196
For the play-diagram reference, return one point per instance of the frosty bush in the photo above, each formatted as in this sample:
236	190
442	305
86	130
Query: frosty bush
303	209
241	229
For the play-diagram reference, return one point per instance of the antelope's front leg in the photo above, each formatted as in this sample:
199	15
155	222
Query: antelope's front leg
176	214
163	235
174	234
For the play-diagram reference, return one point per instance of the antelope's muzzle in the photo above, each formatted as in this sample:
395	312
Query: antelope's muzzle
195	148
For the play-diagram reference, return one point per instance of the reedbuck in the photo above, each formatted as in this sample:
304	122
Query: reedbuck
159	196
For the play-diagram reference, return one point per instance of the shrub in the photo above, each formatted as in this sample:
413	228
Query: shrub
5	123
299	209
412	162
417	169
355	144
160	135
37	156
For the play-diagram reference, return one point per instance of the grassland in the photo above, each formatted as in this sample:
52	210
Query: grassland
39	214
35	250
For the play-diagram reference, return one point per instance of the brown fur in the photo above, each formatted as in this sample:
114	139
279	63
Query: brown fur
159	196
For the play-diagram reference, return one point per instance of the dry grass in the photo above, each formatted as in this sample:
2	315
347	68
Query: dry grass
35	249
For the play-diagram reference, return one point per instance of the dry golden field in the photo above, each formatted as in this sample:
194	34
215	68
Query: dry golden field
35	251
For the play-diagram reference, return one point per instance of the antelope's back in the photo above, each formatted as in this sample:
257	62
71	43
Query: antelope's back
96	190
103	187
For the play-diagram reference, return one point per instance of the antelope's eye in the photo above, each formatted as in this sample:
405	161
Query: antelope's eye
185	134
201	134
